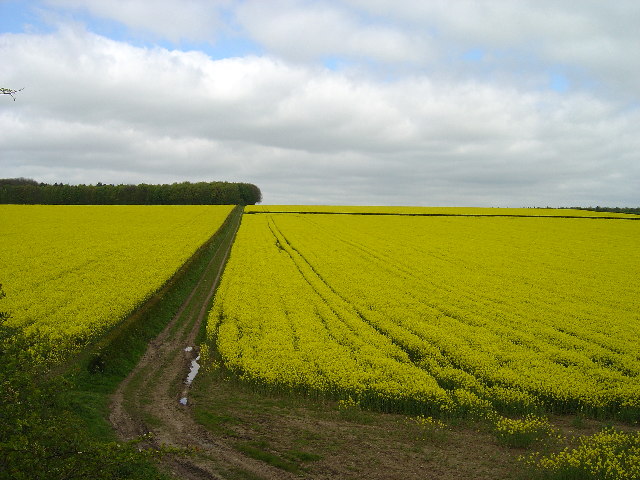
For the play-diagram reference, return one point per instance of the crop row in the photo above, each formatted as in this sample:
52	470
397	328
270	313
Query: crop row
436	314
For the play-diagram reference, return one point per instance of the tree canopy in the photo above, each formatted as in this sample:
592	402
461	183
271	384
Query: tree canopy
28	191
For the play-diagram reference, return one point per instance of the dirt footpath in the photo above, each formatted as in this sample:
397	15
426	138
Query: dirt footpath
148	400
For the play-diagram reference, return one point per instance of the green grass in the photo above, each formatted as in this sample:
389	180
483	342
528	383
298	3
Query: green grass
303	456
259	451
216	423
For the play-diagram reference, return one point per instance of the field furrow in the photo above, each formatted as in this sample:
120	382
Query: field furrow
441	313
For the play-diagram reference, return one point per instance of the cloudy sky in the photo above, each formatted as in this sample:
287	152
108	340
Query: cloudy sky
379	102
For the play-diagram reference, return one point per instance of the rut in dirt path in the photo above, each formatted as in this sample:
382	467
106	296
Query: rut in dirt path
148	399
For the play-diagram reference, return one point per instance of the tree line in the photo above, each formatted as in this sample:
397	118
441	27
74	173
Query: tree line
28	191
633	210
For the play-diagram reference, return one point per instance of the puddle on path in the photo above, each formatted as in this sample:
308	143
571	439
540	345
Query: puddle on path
195	368
193	371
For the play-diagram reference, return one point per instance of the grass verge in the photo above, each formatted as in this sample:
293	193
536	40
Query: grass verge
98	371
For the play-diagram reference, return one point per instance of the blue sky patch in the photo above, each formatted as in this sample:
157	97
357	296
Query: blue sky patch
17	16
559	82
473	55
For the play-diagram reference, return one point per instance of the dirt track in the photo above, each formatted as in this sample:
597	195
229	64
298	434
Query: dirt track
148	400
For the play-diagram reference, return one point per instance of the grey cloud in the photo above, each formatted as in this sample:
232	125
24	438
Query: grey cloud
95	109
590	41
307	31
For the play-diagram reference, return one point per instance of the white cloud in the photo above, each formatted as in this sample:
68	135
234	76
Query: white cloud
591	40
197	20
305	31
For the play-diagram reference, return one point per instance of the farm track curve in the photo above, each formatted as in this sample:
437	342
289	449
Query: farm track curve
147	401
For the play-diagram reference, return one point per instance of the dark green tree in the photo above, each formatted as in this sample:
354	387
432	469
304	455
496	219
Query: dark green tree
27	191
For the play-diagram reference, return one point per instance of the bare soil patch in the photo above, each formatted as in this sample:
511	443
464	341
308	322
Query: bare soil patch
324	441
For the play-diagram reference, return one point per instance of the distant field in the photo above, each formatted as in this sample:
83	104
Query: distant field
385	210
72	272
446	315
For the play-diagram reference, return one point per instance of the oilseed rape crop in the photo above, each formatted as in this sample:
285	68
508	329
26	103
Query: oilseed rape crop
436	211
608	455
436	315
73	272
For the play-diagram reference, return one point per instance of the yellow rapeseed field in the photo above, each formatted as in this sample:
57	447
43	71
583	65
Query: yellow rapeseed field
436	315
608	455
464	211
72	272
